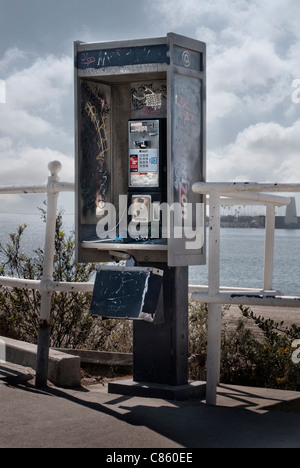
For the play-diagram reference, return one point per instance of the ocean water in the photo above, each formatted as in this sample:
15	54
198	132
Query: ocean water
242	253
242	260
34	234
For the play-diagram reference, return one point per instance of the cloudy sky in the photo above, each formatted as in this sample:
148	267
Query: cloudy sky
253	126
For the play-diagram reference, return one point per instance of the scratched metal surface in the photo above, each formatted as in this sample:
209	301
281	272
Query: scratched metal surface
119	294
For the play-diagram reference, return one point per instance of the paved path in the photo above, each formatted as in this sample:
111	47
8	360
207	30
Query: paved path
90	417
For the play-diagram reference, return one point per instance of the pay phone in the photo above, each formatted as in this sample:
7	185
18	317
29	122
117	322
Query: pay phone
140	147
147	173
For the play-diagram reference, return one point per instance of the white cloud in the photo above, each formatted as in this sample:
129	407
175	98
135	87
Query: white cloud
251	64
252	51
34	129
11	58
37	98
265	152
18	122
22	165
27	165
220	104
43	86
232	20
251	81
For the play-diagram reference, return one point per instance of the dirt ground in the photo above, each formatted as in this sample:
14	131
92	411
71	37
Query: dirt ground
278	314
93	374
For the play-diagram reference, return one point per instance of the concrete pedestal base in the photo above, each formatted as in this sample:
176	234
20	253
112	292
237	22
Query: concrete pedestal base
152	390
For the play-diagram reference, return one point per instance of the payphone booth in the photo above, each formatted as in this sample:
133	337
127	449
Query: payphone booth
140	145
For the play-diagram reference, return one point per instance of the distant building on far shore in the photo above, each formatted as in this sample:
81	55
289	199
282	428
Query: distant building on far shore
290	220
291	213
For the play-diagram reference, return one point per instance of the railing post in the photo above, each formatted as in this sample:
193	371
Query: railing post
269	246
214	310
44	328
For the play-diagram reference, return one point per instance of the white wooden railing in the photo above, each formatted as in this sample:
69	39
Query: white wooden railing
216	296
46	285
213	294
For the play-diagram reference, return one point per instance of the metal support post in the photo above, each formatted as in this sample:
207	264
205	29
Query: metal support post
42	355
44	329
214	310
161	351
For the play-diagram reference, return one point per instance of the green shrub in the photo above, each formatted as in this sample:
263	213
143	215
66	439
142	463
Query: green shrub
71	324
249	359
272	362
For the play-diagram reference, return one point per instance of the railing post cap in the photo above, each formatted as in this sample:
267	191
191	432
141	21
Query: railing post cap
54	167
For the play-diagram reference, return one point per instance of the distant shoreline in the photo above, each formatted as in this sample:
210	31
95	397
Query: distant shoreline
256	222
31	213
227	222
